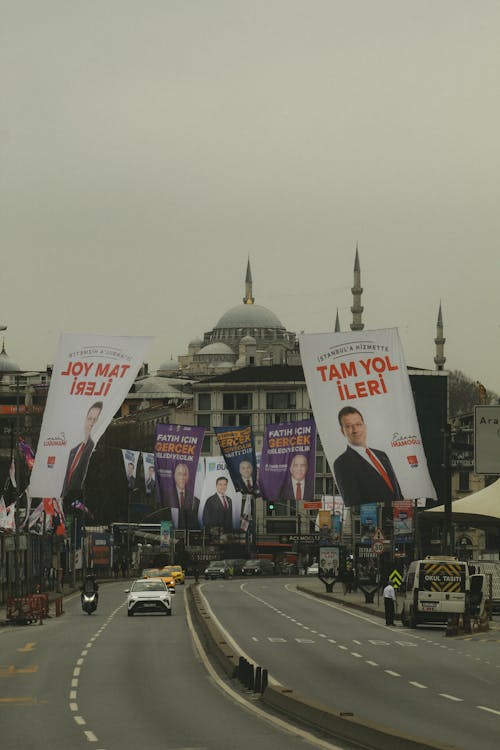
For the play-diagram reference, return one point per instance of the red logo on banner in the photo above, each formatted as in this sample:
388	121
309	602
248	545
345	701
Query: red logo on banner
412	460
51	461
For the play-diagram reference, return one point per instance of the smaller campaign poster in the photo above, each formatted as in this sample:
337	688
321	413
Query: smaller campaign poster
368	515
165	535
176	457
287	466
220	505
130	461
403	519
329	563
238	449
148	466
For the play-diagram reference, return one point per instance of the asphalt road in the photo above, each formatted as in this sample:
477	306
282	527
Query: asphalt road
418	682
111	682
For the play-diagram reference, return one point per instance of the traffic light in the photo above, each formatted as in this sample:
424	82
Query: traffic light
270	507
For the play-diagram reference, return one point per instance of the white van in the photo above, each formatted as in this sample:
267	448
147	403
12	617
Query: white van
433	590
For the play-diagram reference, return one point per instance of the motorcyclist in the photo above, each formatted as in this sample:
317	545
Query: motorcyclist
90	586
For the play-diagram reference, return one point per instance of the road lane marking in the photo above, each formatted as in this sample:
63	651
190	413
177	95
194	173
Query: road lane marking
73	706
74	683
391	673
451	697
90	736
372	663
343	648
489	710
33	701
79	720
27	647
76	672
418	685
72	695
358	656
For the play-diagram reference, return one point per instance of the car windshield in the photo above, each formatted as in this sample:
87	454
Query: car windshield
148	586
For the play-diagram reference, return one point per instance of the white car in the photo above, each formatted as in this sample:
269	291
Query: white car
149	595
313	570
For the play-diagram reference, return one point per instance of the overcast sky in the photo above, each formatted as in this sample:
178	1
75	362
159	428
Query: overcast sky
147	149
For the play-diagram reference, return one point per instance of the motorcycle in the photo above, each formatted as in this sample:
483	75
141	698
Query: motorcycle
89	602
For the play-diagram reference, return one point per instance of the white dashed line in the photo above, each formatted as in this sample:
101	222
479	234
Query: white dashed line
73	706
91	736
344	648
489	710
79	720
372	663
418	685
358	656
391	673
451	697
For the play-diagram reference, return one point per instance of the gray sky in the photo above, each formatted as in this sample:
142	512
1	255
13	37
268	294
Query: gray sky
148	148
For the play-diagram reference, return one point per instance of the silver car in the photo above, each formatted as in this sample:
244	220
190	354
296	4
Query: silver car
149	595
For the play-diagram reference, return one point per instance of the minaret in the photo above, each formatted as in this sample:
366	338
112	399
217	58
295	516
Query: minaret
357	291
439	359
337	322
248	299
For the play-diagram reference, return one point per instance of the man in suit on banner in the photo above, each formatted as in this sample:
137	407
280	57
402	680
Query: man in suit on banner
363	474
218	509
79	456
185	506
298	485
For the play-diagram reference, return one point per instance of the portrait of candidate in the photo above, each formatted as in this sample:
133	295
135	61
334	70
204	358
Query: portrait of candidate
130	475
150	483
248	488
218	510
79	456
298	485
363	474
185	506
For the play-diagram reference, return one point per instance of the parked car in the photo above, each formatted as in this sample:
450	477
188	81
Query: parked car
217	569
149	595
258	568
313	570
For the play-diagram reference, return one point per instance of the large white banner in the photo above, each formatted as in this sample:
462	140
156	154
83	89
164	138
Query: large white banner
362	402
92	375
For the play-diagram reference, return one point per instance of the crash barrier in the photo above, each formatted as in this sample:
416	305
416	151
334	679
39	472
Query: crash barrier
297	708
24	610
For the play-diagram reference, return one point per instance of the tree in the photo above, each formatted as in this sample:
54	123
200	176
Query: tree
465	393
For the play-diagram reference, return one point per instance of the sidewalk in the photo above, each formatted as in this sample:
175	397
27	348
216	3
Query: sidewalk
354	600
66	590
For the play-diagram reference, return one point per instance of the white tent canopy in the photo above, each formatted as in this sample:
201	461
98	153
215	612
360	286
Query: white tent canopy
485	502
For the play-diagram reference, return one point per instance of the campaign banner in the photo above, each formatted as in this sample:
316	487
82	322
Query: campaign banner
220	505
91	377
176	457
165	535
361	398
287	466
148	465
130	461
403	520
238	450
368	516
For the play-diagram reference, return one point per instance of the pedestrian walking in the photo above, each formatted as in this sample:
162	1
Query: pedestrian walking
389	603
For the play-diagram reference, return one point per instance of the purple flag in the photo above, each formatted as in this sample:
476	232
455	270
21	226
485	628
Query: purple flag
287	467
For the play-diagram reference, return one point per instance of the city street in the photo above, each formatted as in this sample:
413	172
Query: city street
415	681
120	683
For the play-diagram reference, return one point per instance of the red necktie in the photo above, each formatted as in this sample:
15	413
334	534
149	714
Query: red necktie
224	502
298	491
385	476
249	485
75	461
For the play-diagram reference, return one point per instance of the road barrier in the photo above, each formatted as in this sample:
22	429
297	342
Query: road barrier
24	610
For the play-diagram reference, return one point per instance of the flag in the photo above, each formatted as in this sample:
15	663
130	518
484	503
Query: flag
27	452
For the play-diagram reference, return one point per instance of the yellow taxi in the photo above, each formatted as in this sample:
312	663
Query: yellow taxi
160	573
176	572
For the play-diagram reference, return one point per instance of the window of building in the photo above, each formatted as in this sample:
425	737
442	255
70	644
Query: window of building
319	465
206	446
463	481
278	417
204	401
237	401
237	420
203	420
278	401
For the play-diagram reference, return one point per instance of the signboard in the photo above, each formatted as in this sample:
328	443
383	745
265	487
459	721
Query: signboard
487	439
378	547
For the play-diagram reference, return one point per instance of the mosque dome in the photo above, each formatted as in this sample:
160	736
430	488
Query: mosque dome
6	364
170	365
248	341
249	316
196	342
